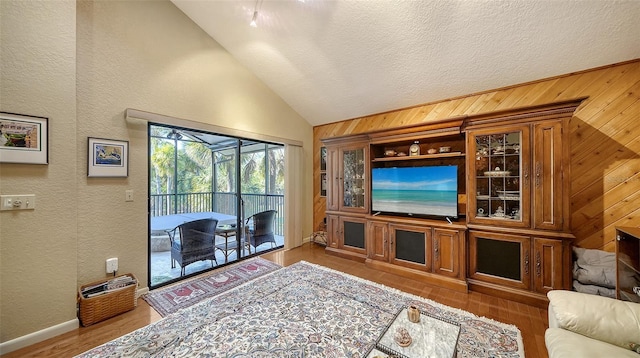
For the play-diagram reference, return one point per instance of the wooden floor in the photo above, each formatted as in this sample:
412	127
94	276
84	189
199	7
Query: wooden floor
530	320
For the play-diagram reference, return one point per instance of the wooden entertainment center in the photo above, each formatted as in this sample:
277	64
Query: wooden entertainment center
512	236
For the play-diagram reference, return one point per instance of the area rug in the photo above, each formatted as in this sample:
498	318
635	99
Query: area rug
184	294
303	310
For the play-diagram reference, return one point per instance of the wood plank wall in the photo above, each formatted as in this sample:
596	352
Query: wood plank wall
605	142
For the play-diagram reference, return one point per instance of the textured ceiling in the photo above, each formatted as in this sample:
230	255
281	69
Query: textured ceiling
336	60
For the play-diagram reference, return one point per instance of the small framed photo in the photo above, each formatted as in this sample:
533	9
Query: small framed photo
24	139
323	158
108	158
323	184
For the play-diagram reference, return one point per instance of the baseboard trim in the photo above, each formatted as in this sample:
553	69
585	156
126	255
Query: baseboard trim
39	336
42	335
142	291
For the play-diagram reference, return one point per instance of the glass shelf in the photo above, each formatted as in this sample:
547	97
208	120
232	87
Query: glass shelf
354	178
497	176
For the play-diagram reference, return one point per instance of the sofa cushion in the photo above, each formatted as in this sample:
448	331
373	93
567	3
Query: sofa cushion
595	267
601	318
564	344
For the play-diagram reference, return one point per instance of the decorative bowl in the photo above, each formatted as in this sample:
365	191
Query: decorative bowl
498	173
402	337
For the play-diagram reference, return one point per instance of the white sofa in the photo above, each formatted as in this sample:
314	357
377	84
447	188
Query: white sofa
584	325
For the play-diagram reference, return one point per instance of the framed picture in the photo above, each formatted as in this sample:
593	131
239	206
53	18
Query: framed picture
108	158
323	158
323	184
24	139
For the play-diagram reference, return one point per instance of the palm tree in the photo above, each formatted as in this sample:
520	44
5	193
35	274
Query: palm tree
276	171
200	155
162	169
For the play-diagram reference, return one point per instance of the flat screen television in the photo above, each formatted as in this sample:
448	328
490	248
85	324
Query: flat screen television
426	191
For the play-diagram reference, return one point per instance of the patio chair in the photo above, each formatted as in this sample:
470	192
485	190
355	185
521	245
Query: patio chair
261	231
193	241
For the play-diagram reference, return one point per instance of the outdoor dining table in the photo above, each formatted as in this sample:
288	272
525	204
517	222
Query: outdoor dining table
166	223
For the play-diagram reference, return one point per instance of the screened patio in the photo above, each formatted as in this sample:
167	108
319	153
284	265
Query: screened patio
195	174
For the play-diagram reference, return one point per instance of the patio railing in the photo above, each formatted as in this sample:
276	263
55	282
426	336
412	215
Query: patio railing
225	203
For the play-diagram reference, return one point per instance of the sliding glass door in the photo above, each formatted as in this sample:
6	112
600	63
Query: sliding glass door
195	175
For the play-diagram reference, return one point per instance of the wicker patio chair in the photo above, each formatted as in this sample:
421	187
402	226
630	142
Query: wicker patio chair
262	230
193	241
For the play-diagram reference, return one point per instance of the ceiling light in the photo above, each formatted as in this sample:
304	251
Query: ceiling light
174	135
253	20
257	7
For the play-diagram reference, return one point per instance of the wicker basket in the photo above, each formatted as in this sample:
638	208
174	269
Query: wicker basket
98	308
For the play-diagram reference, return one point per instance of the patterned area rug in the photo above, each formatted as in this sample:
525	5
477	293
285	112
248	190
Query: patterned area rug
184	294
303	310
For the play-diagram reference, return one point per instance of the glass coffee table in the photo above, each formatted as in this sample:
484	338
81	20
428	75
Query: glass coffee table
431	337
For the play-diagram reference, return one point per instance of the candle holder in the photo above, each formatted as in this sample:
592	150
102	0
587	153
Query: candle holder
413	313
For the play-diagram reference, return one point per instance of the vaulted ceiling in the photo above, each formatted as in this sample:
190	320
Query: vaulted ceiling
336	60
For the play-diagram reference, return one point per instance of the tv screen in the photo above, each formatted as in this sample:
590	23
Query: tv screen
423	190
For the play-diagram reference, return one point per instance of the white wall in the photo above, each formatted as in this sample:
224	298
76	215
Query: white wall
130	54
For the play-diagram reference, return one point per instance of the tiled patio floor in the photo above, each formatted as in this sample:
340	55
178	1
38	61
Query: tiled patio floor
161	270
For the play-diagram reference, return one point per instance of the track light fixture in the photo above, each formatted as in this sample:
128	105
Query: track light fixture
256	8
253	20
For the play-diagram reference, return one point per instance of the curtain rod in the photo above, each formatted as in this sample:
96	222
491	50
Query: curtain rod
136	116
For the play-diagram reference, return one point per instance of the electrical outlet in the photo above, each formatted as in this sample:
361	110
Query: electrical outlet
112	265
18	202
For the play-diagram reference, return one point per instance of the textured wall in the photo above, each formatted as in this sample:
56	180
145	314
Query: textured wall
150	56
605	142
130	54
38	248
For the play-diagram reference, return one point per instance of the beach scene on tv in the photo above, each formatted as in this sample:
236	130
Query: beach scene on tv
427	190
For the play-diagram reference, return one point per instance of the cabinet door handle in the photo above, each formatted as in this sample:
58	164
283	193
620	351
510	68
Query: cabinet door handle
538	264
538	169
526	175
526	262
436	249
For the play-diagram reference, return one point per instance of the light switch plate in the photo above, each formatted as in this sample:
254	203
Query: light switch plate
18	202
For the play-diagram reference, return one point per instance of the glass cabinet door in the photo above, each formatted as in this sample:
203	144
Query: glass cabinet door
499	177
354	187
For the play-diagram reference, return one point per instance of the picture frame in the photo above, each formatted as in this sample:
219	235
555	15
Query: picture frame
323	158
24	139
323	184
108	158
